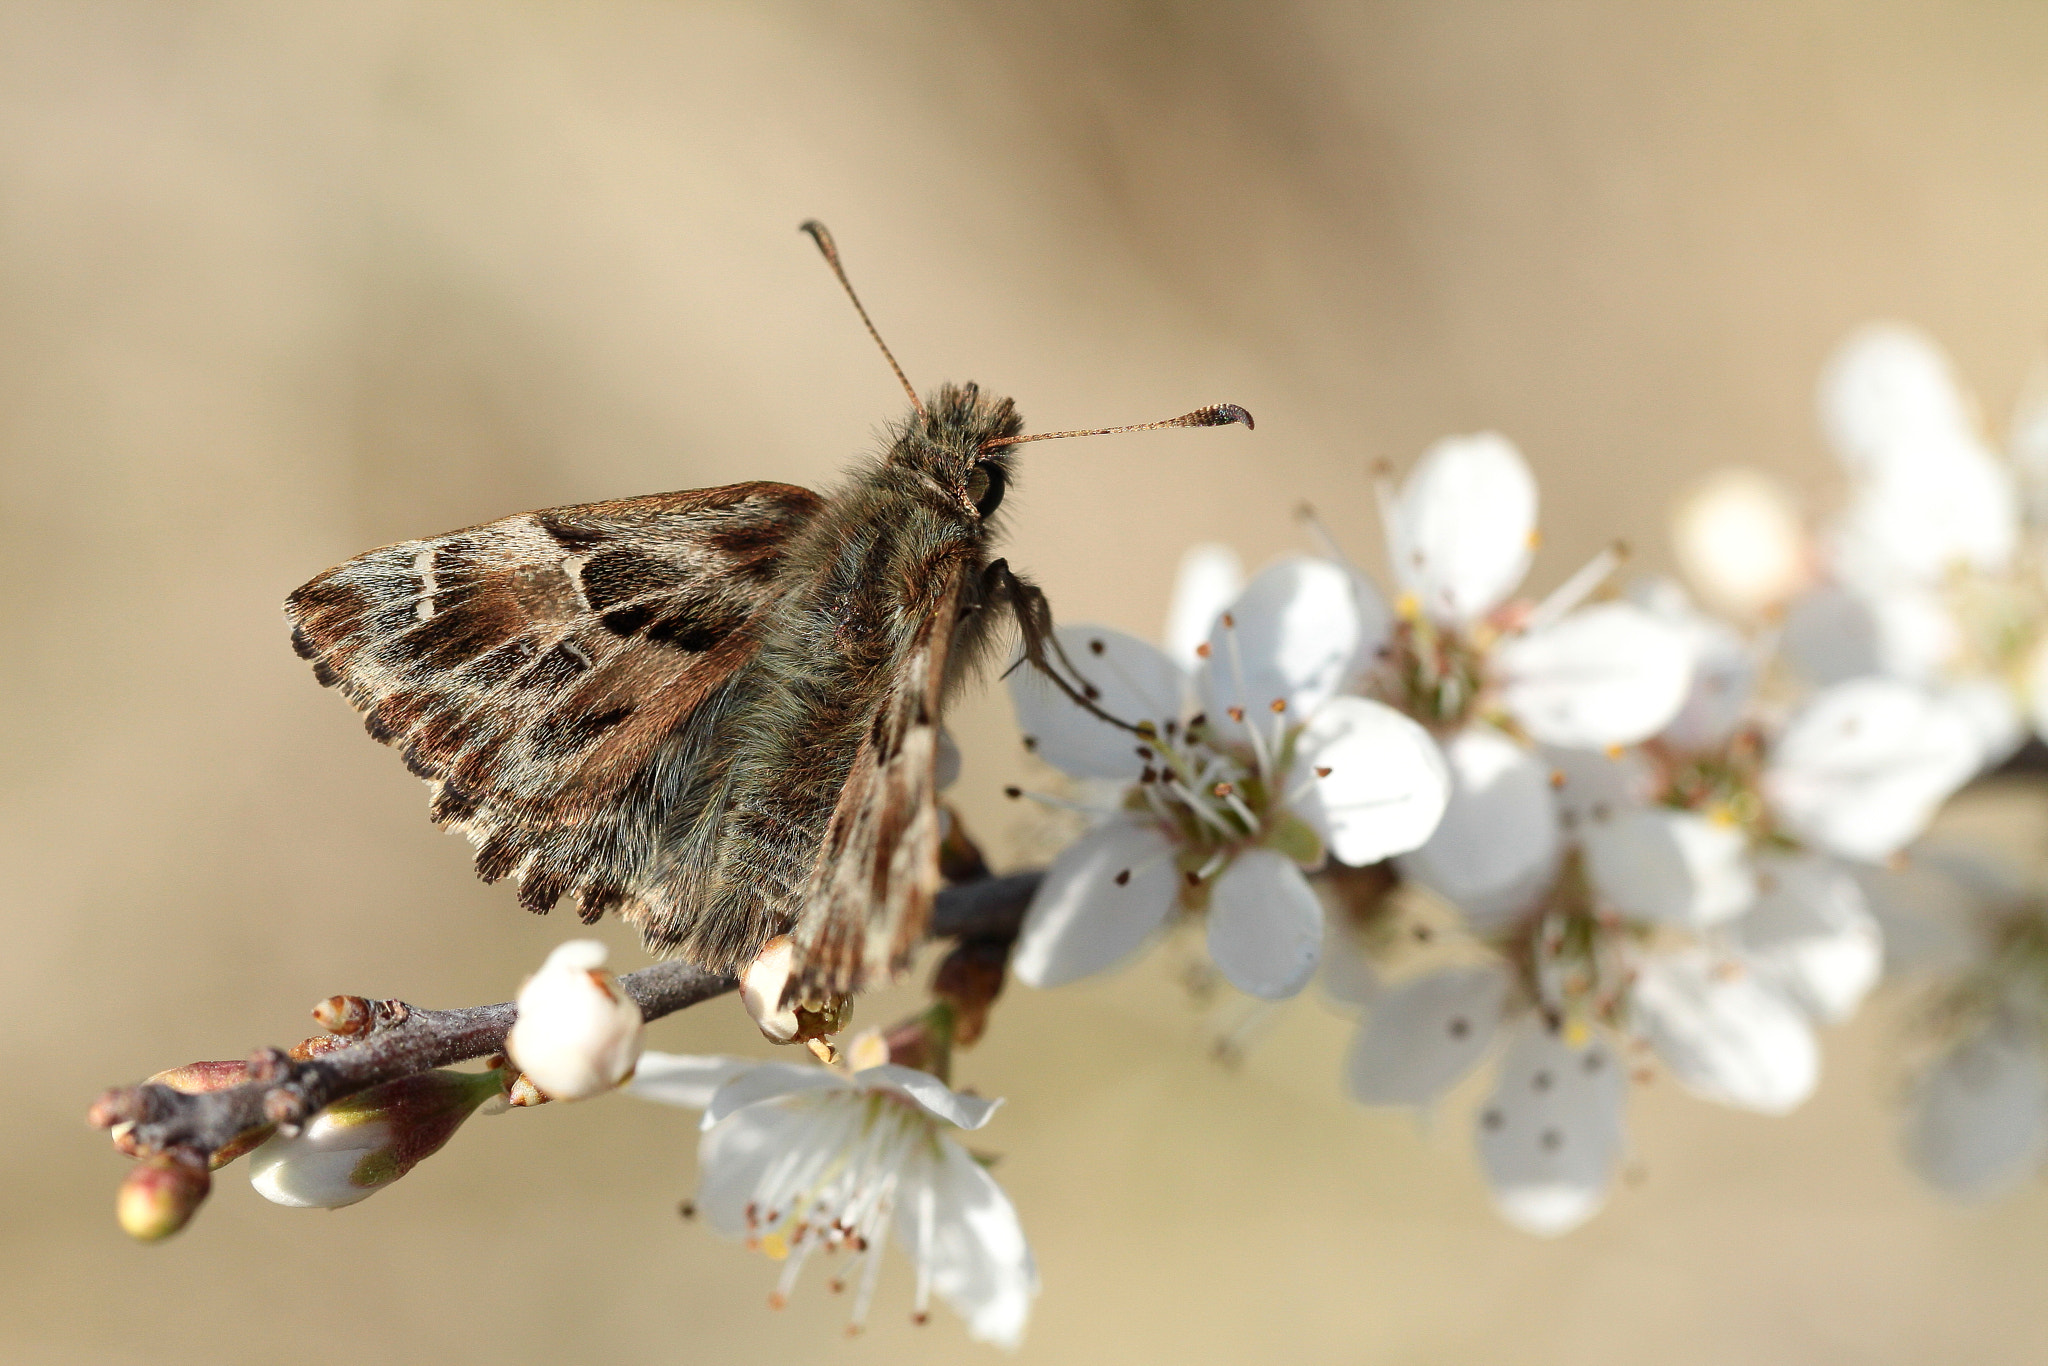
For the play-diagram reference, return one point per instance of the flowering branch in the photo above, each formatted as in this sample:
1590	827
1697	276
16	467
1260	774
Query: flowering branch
371	1043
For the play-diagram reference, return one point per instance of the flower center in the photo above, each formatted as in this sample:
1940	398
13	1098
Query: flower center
1576	959
1434	673
1214	797
837	1189
1724	784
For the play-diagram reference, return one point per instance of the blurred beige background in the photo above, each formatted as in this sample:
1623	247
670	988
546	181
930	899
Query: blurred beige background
279	283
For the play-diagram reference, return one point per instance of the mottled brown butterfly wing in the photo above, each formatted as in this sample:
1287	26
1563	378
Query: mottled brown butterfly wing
869	896
543	672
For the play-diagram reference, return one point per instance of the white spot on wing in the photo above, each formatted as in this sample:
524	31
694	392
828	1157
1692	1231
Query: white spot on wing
572	570
423	566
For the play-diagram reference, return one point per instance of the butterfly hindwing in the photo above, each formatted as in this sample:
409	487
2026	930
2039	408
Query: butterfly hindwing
534	669
869	897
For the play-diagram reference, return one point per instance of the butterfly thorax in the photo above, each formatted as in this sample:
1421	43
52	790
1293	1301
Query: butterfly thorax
894	559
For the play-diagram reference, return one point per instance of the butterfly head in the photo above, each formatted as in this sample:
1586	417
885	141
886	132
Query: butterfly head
948	442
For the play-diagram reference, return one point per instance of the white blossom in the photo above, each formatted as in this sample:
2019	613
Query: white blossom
1976	1120
803	1160
1930	581
1488	674
1239	774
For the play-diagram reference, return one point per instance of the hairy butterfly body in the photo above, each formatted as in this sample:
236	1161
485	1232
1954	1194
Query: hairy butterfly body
715	713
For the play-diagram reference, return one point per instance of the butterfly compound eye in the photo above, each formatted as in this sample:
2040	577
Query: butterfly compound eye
985	487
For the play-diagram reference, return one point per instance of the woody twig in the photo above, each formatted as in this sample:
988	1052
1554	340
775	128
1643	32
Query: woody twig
370	1043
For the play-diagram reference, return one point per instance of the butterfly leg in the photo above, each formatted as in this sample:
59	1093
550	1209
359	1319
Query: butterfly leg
1027	602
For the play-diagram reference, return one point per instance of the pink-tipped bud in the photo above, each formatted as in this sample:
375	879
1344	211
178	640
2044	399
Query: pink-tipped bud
356	1147
195	1078
160	1195
578	1033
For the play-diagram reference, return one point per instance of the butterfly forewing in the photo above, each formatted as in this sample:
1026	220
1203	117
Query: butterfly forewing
536	669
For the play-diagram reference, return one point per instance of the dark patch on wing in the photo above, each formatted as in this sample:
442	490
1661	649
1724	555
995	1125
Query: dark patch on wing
575	537
629	621
565	731
620	574
683	627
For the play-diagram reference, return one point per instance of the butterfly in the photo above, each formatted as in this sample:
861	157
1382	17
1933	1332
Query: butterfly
714	712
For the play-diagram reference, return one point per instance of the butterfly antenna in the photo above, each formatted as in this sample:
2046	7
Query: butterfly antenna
825	244
1216	415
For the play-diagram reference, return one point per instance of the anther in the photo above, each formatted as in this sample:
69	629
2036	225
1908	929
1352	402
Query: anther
1013	793
1202	651
1094	647
1322	771
1235	713
1279	704
1229	622
1123	878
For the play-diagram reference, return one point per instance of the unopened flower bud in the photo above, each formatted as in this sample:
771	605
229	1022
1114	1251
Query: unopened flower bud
356	1147
761	989
578	1033
762	985
195	1078
159	1195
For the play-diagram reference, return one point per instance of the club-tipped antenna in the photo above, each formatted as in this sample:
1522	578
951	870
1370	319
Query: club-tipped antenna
823	238
1215	415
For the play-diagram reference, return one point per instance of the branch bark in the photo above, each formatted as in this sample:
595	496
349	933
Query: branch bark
287	1088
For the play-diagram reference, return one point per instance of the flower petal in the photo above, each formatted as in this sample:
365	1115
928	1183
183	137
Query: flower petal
1609	674
1295	637
1925	507
1672	867
930	1094
1210	579
1084	918
1424	1035
1811	935
1725	1035
684	1079
1888	386
1376	783
1464	526
1265	925
1861	770
1928	916
769	1081
1551	1133
1498	842
734	1154
1133	681
1996	726
1724	668
980	1263
1979	1118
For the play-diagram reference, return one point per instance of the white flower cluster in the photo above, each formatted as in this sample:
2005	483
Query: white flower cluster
1671	841
1662	832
